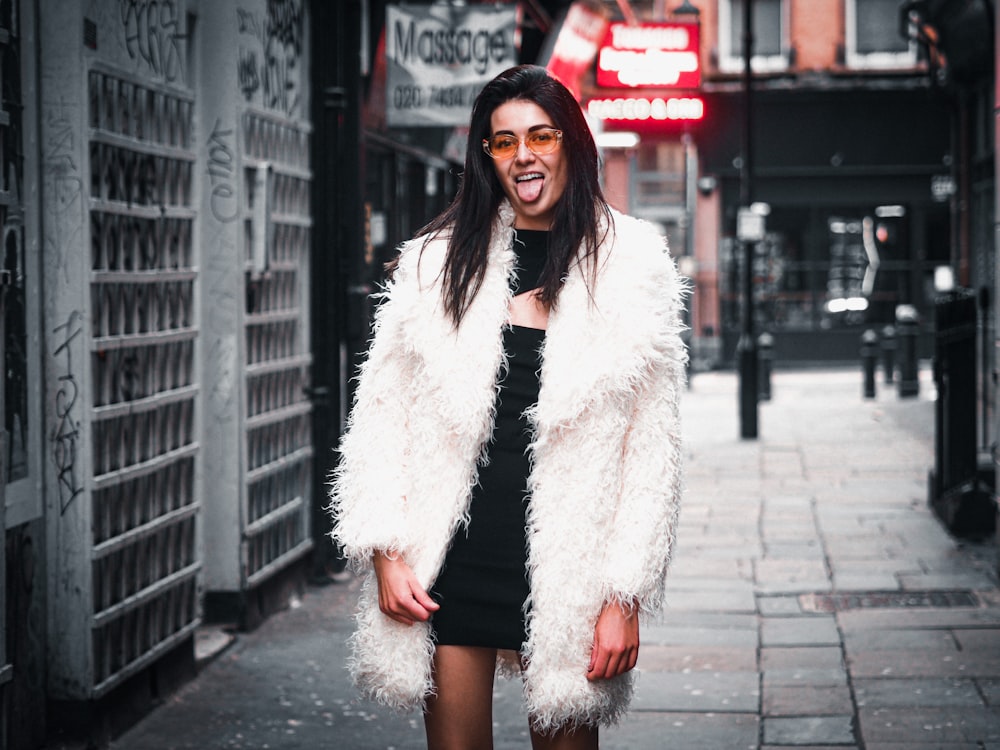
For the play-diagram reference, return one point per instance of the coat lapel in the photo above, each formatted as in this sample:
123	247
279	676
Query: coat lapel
601	337
459	367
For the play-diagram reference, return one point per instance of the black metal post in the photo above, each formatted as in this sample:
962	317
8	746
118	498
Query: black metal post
907	330
765	355
869	360
747	345
889	345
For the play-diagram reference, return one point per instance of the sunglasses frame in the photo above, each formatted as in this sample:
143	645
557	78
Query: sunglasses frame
558	142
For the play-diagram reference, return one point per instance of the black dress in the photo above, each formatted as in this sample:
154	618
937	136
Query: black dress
483	585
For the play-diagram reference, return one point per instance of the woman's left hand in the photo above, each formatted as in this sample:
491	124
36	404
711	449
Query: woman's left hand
616	643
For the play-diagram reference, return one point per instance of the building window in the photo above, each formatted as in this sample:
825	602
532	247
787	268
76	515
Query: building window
873	36
770	48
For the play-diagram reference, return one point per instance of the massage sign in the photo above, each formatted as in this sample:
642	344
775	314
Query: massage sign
439	57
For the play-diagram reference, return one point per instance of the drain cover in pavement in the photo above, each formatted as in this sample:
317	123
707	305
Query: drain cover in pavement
886	600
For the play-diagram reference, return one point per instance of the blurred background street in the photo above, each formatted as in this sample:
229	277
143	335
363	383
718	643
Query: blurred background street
197	202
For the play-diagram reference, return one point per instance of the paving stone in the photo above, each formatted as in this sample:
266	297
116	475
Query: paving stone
893	567
816	677
706	619
865	582
655	731
654	658
667	635
793	504
726	570
808	730
770	606
739	600
983	557
788	523
864	548
971	580
789	526
929	725
986	640
926	746
815	630
918	617
721	550
908	639
909	663
798	586
801	657
701	583
807	700
698	691
793	550
796	517
769	571
991	691
910	693
941	660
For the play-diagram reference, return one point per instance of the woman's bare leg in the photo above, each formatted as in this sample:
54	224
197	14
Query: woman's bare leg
584	738
460	715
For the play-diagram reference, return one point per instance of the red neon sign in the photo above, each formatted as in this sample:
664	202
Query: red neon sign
648	109
664	55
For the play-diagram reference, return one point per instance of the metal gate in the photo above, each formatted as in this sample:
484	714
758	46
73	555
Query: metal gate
144	504
278	429
256	229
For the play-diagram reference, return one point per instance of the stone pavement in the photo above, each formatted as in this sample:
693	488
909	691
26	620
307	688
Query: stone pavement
814	603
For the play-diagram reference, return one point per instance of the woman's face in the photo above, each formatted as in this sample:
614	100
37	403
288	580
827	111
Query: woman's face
534	183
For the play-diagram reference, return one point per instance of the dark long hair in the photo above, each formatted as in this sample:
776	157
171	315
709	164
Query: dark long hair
582	216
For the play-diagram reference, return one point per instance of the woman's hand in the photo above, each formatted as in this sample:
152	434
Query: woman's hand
616	642
400	596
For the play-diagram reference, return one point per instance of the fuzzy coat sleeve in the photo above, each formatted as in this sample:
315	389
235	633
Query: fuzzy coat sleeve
370	483
642	535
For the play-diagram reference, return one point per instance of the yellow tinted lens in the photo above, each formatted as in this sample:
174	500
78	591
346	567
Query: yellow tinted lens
543	141
503	146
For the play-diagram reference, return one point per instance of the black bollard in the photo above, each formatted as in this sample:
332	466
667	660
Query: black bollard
907	328
869	358
765	359
889	354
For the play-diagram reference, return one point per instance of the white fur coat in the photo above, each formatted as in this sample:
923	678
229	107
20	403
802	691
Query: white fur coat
606	459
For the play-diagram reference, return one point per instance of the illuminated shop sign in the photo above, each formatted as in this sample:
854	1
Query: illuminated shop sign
652	109
650	54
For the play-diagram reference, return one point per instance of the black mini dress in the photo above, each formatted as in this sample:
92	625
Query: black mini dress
483	586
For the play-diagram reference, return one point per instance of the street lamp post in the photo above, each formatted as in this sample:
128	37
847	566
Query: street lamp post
747	346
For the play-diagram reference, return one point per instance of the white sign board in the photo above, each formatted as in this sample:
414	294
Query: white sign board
439	57
749	225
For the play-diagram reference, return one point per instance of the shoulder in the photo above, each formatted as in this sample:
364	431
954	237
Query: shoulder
421	260
635	256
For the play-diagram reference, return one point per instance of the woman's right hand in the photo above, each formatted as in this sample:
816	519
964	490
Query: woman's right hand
400	596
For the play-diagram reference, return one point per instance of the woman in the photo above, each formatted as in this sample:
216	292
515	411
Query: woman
509	480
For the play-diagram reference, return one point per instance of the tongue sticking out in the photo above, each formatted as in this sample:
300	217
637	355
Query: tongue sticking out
529	190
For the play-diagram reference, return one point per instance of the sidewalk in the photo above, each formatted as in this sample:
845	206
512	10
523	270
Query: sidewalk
814	602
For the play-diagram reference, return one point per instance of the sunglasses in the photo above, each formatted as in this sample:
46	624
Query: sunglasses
539	142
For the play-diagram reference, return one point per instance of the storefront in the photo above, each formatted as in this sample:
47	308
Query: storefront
858	186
